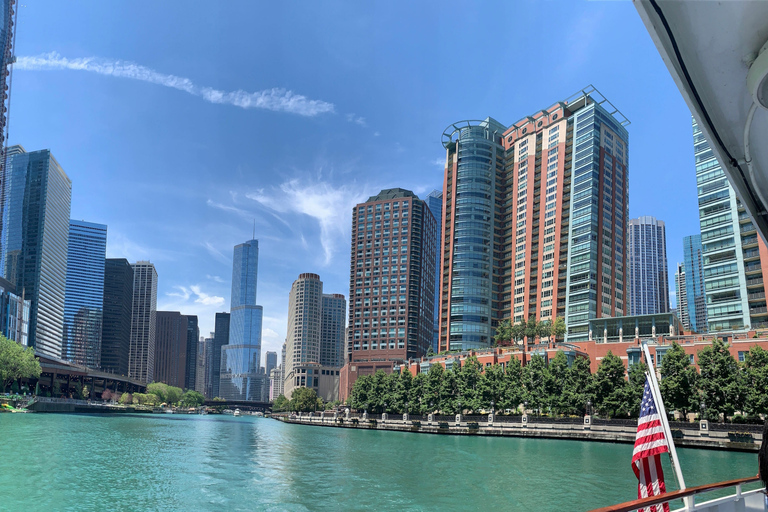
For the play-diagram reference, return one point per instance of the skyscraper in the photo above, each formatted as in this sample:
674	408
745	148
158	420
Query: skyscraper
14	314
7	22
33	245
271	362
171	348
648	271
193	334
315	343
84	295
141	357
534	220
332	330
733	267
681	292
435	204
241	357
116	318
696	300
391	285
220	338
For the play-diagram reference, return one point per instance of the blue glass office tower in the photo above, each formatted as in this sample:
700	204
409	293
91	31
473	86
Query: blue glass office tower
84	295
695	296
435	204
240	378
35	206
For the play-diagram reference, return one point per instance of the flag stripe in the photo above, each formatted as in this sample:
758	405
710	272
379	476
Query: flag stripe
650	443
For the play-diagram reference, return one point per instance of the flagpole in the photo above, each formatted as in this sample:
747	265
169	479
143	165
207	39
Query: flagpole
655	390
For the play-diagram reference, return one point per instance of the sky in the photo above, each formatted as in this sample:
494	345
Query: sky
185	126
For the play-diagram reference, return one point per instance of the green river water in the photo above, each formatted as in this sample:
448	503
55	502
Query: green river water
52	462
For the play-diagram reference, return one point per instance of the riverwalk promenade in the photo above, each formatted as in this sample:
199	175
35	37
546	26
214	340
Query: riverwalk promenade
703	434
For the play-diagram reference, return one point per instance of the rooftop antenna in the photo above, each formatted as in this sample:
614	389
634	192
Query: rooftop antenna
254	229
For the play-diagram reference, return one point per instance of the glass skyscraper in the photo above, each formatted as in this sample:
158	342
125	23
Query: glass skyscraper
241	357
7	15
695	298
647	269
193	335
84	295
35	206
534	221
733	274
116	317
435	204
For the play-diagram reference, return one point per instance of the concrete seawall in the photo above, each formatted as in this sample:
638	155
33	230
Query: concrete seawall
688	438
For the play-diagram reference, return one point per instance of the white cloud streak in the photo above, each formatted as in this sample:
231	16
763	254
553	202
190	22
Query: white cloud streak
352	118
330	206
276	99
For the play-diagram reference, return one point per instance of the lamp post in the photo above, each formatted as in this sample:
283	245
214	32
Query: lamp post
406	408
703	407
525	406
492	404
589	407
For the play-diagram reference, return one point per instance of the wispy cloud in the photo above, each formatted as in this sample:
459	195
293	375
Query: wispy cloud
331	206
192	300
213	251
276	99
214	278
439	161
230	209
352	118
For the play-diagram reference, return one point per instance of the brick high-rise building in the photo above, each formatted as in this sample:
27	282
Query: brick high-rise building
534	221
391	284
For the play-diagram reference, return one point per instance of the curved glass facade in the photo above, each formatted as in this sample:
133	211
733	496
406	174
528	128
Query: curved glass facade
475	152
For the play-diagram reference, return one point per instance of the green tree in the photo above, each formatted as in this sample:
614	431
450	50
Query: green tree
416	396
492	387
361	392
518	331
558	329
531	329
16	362
402	390
432	387
280	404
756	369
577	390
381	392
679	381
125	399
159	389
449	391
636	376
304	400
534	377
555	379
609	386
720	383
192	398
503	335
468	381
544	329
514	390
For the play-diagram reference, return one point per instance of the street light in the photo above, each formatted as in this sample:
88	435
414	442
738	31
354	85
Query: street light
406	407
589	407
703	407
525	406
385	407
492	404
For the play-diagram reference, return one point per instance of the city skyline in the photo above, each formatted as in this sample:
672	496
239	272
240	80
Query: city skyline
301	202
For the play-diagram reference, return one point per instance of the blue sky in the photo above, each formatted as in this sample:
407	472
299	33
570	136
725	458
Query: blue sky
180	123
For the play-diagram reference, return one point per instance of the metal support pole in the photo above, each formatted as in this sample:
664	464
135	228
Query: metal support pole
688	501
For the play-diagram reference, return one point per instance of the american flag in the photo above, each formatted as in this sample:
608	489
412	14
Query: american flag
650	443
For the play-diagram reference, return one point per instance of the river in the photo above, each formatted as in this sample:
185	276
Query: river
52	462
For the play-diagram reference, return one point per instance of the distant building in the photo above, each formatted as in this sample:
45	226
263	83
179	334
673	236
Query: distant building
275	383
116	317
435	204
695	294
193	334
14	314
220	338
333	322
84	295
315	342
35	207
271	362
240	378
141	358
391	286
202	368
648	271
681	291
171	348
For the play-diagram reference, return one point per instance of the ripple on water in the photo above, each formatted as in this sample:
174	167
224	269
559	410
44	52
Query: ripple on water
189	462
